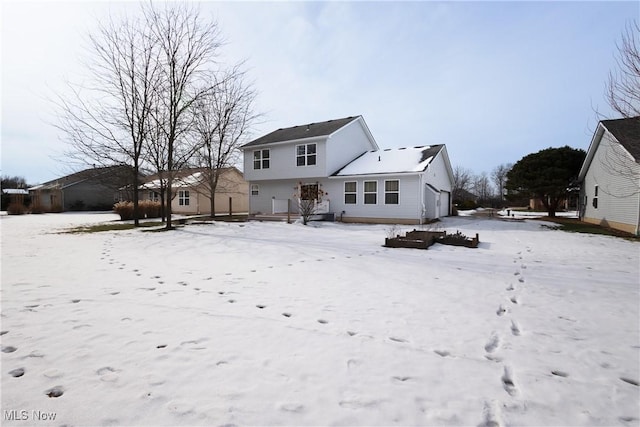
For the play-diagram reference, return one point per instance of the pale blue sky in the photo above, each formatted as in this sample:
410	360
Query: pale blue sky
494	81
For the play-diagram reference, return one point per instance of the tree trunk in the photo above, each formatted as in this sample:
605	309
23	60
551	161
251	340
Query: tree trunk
136	214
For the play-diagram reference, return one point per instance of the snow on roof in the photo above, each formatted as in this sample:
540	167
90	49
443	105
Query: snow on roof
14	191
397	160
185	181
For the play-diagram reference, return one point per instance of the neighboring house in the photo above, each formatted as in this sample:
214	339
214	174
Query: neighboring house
192	196
610	176
90	189
339	164
12	196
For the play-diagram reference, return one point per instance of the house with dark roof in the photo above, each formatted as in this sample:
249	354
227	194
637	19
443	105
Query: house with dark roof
90	189
339	165
610	176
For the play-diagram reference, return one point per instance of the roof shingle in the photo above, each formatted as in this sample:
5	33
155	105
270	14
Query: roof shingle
627	132
302	131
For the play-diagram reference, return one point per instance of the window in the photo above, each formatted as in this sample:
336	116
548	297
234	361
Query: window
391	192
350	192
370	192
183	198
306	155
255	189
309	192
154	196
261	159
595	197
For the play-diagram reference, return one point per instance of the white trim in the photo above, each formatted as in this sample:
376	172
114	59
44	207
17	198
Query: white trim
344	193
365	192
384	190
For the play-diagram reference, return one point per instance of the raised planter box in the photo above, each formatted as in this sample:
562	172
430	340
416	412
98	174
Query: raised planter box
420	239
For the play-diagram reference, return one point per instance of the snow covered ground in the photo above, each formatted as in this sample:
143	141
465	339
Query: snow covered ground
277	324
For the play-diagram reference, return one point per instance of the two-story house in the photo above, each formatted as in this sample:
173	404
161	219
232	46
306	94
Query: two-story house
339	164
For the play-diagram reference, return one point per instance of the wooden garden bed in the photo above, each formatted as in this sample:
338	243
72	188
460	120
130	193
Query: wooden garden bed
419	239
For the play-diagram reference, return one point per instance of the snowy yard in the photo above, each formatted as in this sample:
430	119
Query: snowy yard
277	324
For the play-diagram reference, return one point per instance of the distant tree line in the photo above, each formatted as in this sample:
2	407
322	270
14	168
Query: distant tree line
157	100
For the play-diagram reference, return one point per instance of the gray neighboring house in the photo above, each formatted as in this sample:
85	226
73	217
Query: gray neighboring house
338	164
610	176
90	189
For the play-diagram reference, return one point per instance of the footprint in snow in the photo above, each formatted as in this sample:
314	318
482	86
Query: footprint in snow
514	299
501	310
442	353
352	333
3	332
322	321
8	349
16	373
401	379
515	328
508	383
630	381
493	343
397	339
56	391
286	314
521	279
559	374
260	306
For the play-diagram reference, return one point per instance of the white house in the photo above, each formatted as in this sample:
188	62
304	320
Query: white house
610	176
339	164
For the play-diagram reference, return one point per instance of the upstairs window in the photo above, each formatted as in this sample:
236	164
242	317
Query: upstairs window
261	159
306	155
350	193
391	192
183	197
370	192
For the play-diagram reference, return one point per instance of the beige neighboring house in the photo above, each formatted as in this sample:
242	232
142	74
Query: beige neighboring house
191	194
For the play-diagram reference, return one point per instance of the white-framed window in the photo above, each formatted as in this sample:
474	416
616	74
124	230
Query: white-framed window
371	192
154	196
309	192
183	197
261	159
391	192
350	192
306	155
595	197
255	189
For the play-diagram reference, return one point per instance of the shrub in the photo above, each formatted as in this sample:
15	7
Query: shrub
149	209
16	209
124	209
466	205
146	209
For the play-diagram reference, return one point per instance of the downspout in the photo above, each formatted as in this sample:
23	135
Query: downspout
638	222
421	198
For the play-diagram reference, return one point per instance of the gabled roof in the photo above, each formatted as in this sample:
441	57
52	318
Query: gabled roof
311	130
627	132
106	173
182	178
392	161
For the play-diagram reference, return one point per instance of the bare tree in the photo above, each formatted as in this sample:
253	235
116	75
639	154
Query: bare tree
222	120
188	46
107	122
499	177
482	187
462	179
623	86
623	96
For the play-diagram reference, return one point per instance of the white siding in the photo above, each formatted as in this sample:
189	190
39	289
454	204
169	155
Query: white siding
283	162
345	145
618	185
269	190
409	206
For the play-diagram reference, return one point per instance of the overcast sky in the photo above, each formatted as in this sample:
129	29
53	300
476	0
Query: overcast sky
494	81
